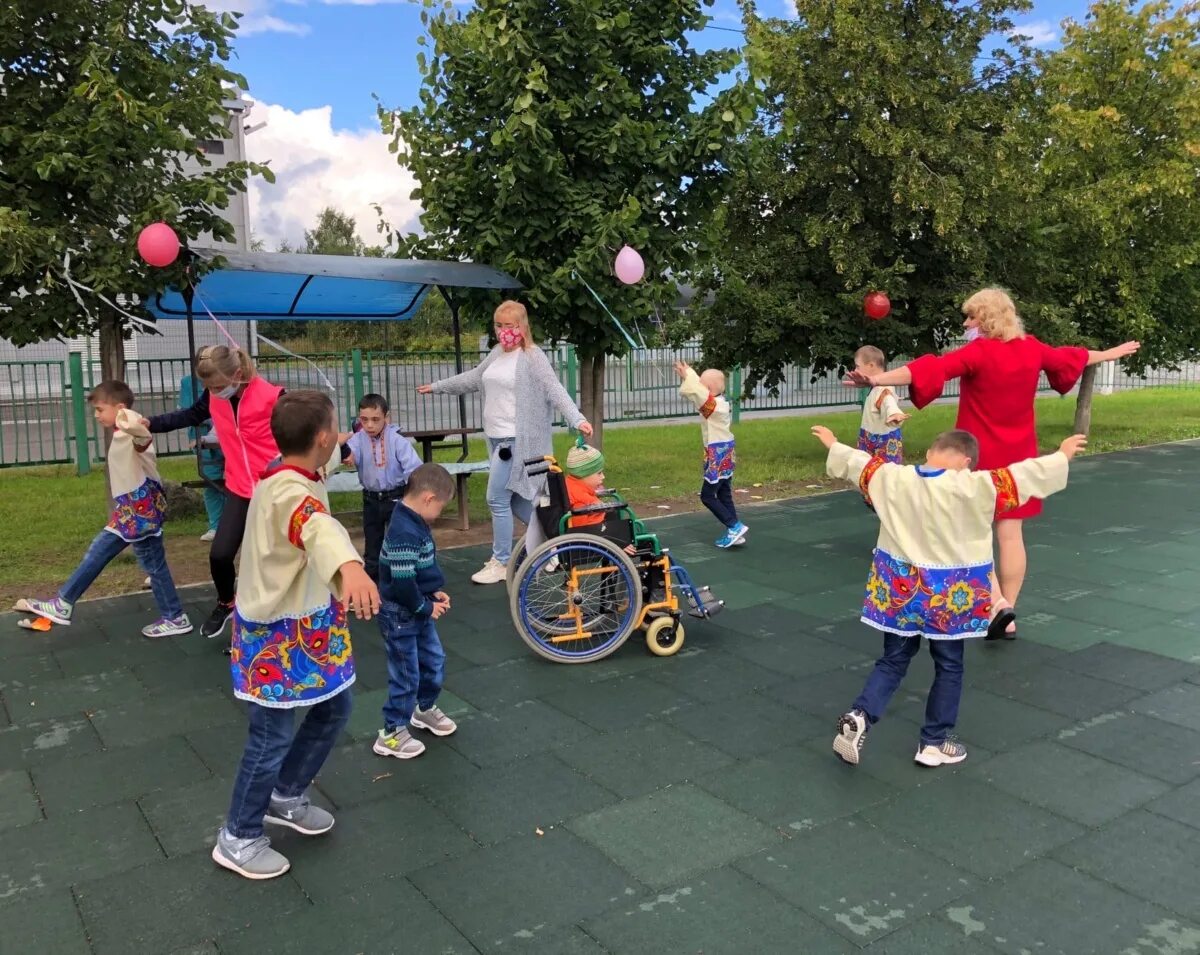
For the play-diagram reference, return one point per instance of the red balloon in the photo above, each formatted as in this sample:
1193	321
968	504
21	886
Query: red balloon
876	306
158	244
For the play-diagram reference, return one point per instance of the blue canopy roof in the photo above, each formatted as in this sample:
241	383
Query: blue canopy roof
262	286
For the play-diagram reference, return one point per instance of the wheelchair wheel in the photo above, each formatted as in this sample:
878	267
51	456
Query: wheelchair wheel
664	636
576	599
514	564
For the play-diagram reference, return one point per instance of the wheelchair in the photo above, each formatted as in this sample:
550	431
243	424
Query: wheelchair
576	597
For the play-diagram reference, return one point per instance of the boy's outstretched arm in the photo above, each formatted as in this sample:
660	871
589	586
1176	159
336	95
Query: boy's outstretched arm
1034	477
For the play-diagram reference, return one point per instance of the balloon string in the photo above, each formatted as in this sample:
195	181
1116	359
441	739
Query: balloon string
600	302
77	287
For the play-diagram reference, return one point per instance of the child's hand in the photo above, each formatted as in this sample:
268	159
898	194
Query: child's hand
630	549
145	423
442	597
438	609
681	369
898	418
824	435
344	436
1073	445
358	590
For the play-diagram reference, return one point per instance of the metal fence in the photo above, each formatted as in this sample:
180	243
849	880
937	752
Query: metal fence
44	418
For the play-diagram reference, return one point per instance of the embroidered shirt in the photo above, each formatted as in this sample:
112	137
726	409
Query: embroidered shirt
399	458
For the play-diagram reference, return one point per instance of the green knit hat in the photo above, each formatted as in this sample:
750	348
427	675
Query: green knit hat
584	460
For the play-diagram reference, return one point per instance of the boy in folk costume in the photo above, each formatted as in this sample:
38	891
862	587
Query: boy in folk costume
291	642
879	435
707	392
932	571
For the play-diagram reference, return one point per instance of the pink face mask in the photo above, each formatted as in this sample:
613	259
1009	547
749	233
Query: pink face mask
510	337
971	334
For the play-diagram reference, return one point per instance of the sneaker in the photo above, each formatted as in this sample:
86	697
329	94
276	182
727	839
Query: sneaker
738	533
852	733
724	542
299	814
251	858
56	611
434	720
208	535
493	572
214	626
946	753
398	743
146	584
168	627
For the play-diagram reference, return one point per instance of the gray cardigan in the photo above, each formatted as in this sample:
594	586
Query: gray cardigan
539	394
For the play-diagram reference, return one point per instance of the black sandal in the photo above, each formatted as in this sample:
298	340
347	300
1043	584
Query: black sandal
998	628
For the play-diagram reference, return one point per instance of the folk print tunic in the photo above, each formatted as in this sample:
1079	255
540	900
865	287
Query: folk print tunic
139	505
716	428
878	435
931	572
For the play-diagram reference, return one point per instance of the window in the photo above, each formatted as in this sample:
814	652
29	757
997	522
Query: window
214	147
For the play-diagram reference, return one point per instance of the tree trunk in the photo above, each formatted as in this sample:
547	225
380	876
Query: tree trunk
112	347
1083	403
591	397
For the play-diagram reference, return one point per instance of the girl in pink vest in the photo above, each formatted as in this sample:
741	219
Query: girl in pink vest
239	403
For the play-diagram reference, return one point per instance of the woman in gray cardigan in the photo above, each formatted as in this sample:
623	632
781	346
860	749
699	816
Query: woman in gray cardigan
520	395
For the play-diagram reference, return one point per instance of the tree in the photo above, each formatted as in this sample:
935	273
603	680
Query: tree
1119	209
550	134
103	99
890	156
334	234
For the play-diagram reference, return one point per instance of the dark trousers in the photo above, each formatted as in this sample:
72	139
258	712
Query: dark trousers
226	544
941	707
718	498
377	511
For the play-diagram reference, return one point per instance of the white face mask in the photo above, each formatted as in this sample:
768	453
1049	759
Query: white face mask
971	334
227	392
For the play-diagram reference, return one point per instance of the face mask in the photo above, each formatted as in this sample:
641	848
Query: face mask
971	334
227	392
510	337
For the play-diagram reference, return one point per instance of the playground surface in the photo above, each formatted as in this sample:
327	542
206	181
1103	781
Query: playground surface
637	805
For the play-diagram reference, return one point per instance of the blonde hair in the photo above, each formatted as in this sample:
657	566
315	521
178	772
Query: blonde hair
220	363
516	312
711	375
996	314
870	355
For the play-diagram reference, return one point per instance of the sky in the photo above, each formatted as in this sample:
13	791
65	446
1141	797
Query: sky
312	67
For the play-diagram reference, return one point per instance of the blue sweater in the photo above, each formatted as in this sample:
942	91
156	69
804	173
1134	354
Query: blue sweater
408	571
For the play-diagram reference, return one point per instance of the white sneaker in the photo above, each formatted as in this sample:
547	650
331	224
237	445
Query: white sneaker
208	535
946	753
493	572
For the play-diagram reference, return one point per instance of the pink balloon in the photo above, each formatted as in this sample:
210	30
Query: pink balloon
629	268
158	244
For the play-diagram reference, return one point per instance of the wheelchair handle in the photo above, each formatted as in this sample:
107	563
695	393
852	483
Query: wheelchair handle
537	469
529	462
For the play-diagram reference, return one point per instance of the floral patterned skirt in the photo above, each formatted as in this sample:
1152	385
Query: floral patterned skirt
140	513
888	446
719	460
940	603
294	661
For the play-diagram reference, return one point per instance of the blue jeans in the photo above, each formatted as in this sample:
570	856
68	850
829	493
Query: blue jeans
416	664
275	761
502	502
718	498
151	554
941	708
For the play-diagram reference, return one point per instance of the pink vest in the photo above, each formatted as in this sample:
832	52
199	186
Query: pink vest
246	439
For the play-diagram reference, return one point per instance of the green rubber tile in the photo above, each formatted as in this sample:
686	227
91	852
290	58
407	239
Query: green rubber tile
714	676
717	913
764	620
5	722
530	794
167	672
75	847
115	775
621	703
797	653
1073	784
889	885
640	760
823	695
47	741
46	922
1049	908
1072	695
929	936
1158	598
522	678
386	915
149	718
1176	704
525	889
489	643
994	722
1145	745
668	835
1011	832
1119	664
16	643
100	657
200	948
795	789
354	775
366	719
1105	613
767	725
1178	639
889	754
19	804
987	660
1182	805
219	747
1154	858
72	697
181	903
30	670
737	594
498	737
186	819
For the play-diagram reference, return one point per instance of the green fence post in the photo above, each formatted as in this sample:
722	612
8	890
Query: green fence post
357	365
572	373
83	460
736	390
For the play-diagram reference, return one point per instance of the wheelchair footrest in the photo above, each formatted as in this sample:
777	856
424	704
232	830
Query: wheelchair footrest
705	603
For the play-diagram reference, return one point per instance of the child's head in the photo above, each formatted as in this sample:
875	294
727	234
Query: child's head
303	425
223	370
869	360
429	488
107	398
992	311
714	380
954	450
586	464
511	322
373	413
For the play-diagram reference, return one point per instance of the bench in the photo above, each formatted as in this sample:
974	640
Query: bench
461	470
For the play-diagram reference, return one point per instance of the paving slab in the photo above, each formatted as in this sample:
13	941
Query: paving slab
43	922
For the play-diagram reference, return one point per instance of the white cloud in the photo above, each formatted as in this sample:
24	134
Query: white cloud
250	25
315	166
1039	32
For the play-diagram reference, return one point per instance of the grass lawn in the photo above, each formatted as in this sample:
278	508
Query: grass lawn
49	515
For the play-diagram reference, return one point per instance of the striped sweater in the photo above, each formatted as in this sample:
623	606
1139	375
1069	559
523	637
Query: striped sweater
408	570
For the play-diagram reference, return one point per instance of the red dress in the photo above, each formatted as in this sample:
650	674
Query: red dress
999	382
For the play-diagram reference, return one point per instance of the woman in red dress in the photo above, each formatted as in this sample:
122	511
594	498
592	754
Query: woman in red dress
999	369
